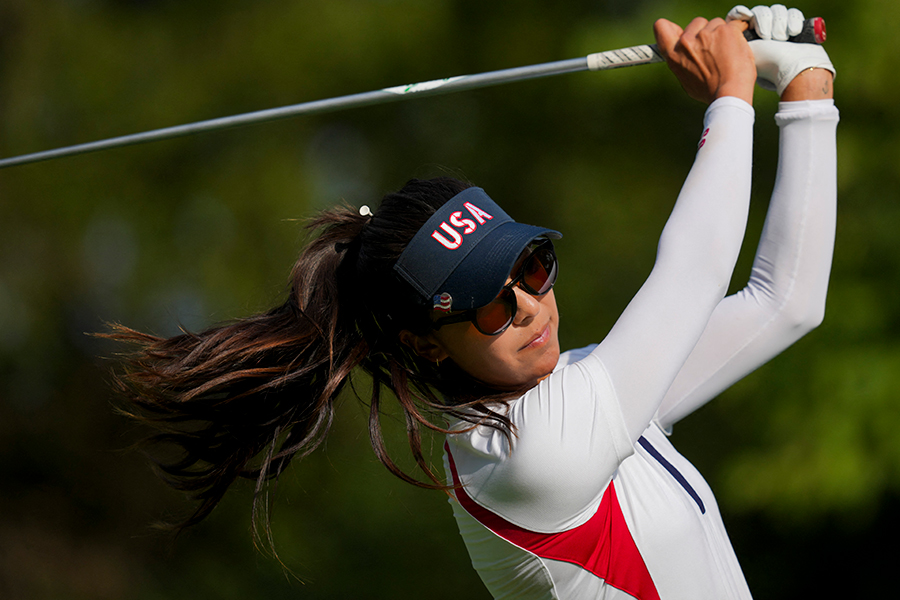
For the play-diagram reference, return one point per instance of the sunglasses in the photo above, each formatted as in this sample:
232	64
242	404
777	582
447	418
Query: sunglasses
535	272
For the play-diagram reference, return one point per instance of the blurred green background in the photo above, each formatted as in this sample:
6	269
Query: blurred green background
803	454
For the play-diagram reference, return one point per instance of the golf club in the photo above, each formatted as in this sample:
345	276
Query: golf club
813	32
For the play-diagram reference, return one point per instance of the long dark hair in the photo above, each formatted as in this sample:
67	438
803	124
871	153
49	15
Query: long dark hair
241	400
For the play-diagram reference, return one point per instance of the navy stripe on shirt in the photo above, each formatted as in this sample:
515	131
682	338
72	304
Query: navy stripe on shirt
673	471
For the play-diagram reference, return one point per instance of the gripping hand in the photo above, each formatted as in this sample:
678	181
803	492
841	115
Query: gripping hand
778	61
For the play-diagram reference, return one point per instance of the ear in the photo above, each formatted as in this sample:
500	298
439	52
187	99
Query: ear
424	345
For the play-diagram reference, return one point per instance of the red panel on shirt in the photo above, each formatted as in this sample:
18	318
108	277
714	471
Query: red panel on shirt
603	545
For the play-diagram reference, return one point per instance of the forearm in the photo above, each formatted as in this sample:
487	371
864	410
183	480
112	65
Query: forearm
785	297
654	336
793	260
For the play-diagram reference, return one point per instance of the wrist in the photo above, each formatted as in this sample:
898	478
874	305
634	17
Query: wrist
739	90
814	83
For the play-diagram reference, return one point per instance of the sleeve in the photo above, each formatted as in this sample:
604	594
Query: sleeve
576	426
785	296
650	342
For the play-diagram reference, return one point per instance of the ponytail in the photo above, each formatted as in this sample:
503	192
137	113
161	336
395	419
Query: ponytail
242	399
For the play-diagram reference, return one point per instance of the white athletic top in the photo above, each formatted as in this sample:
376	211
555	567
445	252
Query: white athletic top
591	500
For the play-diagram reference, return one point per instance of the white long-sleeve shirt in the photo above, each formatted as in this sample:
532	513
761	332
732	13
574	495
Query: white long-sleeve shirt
591	500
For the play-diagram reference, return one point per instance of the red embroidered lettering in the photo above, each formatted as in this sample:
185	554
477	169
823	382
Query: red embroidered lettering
477	213
450	245
469	224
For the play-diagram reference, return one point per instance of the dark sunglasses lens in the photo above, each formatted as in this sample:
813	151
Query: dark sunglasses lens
539	271
493	318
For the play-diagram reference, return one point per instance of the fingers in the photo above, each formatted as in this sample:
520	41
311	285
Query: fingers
794	22
696	26
710	58
700	27
779	22
667	35
762	21
739	13
775	22
739	25
672	39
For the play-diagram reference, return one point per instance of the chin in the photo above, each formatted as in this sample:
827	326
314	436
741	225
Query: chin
548	362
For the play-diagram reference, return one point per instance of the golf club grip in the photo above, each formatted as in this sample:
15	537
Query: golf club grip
813	32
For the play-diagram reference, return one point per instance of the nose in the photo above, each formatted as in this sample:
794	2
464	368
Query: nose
527	306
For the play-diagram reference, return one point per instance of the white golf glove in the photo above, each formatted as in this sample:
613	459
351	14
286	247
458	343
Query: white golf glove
777	60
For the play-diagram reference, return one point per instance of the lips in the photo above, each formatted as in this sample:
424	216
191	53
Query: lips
538	340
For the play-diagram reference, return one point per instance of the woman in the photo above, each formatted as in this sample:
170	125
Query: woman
564	484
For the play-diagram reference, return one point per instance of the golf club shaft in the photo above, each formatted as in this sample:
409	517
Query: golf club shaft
625	57
813	32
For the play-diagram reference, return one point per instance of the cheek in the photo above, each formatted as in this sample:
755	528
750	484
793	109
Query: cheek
499	363
484	358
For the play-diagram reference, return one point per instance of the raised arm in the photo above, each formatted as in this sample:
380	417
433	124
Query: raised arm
699	245
785	297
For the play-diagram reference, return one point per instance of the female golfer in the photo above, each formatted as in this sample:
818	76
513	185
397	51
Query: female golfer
564	484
